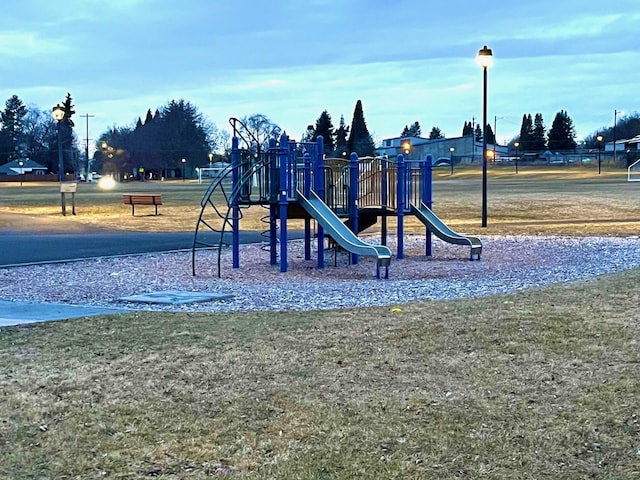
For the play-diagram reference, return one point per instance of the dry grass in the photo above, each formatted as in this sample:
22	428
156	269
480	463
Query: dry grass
541	201
536	385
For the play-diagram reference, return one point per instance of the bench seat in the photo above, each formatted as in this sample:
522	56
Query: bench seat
134	199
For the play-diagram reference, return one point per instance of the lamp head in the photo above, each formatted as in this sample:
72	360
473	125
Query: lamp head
485	57
58	112
599	138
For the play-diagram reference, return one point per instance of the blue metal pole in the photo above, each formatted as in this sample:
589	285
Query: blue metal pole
273	208
319	187
283	157
353	199
401	193
384	185
306	188
428	198
235	210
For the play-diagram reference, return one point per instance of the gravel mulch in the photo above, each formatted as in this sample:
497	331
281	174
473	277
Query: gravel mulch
508	263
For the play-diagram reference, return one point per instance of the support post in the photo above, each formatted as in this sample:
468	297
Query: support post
283	158
353	198
427	198
319	187
273	195
384	195
401	195
306	188
235	209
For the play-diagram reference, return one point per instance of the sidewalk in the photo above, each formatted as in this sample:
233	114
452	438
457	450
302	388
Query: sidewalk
21	313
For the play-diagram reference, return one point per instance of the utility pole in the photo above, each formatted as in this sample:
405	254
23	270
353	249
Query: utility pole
86	151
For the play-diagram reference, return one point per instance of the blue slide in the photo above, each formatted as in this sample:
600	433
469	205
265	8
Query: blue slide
336	229
443	232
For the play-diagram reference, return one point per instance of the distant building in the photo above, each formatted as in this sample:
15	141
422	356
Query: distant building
21	166
462	149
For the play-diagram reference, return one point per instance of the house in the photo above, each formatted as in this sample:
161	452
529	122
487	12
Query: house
20	166
463	149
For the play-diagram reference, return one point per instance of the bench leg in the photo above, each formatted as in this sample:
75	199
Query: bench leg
156	210
133	210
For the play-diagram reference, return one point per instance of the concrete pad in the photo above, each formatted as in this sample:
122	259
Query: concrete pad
19	313
176	297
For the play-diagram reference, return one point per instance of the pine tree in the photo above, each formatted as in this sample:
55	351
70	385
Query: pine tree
324	127
415	130
538	137
467	130
435	134
491	138
562	134
360	140
526	133
405	132
478	133
12	130
341	135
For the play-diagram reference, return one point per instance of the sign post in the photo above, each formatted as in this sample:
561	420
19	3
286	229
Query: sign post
69	187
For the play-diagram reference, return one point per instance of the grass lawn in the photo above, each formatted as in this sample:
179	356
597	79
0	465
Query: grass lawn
542	384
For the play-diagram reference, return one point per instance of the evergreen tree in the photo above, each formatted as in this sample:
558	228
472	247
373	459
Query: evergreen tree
412	131
360	140
342	147
478	133
12	130
435	134
467	130
538	135
149	118
324	127
562	133
491	138
526	133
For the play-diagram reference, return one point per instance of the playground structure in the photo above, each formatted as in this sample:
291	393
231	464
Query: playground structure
343	196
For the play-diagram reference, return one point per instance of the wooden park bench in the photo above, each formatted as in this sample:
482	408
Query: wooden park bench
134	199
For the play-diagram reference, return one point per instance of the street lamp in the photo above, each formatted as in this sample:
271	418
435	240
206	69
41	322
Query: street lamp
58	115
406	147
599	138
21	165
517	145
184	161
485	60
210	159
451	150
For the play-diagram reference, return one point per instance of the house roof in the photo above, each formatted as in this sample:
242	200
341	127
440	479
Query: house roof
14	168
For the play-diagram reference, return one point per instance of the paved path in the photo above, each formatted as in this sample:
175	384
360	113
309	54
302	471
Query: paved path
25	249
33	248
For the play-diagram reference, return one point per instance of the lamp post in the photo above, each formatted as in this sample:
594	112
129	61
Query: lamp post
184	161
210	159
517	145
599	138
58	115
485	60
21	165
451	150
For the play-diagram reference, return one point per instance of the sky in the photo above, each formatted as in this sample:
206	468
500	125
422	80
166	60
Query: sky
406	60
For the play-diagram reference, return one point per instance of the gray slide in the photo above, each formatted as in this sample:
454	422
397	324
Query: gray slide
336	229
442	231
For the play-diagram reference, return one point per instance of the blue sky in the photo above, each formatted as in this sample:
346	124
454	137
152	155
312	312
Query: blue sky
407	60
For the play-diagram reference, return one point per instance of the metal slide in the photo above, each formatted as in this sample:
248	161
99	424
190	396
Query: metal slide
336	229
443	232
